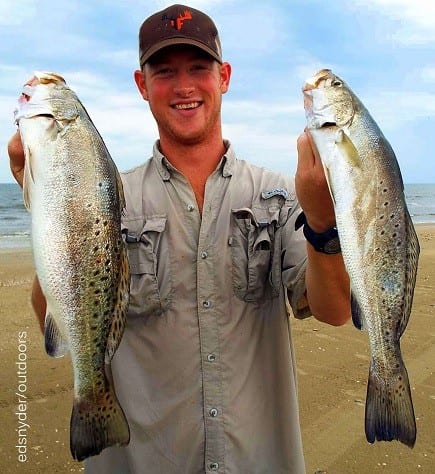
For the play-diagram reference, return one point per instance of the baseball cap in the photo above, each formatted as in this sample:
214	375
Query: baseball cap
178	24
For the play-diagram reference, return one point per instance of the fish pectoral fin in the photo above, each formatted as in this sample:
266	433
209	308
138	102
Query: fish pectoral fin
345	144
357	316
329	181
55	344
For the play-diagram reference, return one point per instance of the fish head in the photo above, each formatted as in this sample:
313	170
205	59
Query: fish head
328	101
46	95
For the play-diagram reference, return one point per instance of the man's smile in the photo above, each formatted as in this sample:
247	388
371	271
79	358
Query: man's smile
190	105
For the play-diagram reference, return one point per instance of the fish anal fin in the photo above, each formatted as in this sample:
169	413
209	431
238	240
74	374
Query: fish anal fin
348	149
55	343
357	316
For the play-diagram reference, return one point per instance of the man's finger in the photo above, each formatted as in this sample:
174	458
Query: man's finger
16	157
306	156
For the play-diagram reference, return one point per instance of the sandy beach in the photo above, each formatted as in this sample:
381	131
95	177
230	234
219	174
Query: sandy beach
36	391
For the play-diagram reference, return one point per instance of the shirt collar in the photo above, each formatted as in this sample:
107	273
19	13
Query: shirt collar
165	168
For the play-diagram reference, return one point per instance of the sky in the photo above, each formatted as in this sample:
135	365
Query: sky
384	50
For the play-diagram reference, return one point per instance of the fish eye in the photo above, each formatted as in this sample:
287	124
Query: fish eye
336	83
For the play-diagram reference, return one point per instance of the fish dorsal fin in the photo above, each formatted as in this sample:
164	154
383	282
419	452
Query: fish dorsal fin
357	316
118	321
120	189
412	253
347	148
55	344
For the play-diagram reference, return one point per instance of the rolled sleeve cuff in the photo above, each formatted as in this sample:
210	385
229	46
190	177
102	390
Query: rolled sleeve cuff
294	281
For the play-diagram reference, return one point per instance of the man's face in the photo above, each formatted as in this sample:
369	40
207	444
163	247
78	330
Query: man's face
183	86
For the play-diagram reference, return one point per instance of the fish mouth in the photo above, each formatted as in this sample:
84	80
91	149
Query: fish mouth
328	124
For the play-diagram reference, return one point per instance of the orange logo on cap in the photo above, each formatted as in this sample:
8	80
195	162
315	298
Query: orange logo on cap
178	22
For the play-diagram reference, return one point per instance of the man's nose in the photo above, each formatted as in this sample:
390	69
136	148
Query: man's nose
184	84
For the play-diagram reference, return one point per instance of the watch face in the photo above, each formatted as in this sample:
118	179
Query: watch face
333	246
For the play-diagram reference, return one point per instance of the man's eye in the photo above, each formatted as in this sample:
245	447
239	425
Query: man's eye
199	67
163	71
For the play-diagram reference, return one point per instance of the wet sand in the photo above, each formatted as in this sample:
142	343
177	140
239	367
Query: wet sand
36	391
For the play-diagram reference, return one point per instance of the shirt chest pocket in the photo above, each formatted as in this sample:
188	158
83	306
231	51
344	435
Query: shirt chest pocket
151	285
256	252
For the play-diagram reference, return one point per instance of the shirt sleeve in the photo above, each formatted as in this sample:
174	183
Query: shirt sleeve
294	265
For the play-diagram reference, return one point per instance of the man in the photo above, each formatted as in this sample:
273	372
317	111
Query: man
205	371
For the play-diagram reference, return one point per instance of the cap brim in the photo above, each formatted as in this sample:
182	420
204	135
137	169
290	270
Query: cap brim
173	41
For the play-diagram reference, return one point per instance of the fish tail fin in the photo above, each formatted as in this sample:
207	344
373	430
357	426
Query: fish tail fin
389	410
97	425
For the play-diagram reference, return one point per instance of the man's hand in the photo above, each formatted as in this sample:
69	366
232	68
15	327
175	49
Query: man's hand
16	157
326	278
311	186
15	147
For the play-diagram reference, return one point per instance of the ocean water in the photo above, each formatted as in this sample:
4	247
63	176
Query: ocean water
15	220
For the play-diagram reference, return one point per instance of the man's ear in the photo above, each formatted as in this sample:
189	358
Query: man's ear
139	79
225	72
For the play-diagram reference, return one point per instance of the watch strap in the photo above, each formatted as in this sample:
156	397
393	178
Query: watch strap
325	242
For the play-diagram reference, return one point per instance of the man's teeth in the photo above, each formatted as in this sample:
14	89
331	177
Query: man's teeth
193	105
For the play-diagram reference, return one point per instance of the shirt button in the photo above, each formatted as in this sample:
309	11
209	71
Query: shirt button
204	255
211	357
214	466
213	412
206	304
190	207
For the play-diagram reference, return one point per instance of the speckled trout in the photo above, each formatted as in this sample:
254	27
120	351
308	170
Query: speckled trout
378	241
74	193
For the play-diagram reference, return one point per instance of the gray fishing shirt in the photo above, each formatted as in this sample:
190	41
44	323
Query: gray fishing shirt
205	371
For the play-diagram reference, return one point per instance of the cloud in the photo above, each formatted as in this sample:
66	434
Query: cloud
16	13
414	20
427	74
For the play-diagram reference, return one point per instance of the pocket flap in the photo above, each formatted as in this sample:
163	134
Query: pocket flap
259	216
154	224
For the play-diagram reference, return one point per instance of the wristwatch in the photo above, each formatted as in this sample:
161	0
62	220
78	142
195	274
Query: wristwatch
325	242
